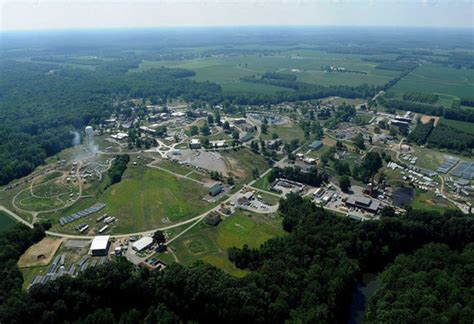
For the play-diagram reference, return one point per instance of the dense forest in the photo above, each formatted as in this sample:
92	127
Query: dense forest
442	136
450	138
433	285
421	132
119	165
306	276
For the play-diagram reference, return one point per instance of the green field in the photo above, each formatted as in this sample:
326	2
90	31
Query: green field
175	167
305	64
428	158
262	183
434	78
286	132
241	162
6	221
146	196
210	244
427	200
459	125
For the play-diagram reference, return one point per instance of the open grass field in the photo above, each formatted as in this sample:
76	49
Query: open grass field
241	163
174	167
268	198
427	200
148	198
287	132
28	202
262	183
210	244
6	221
459	125
434	78
428	158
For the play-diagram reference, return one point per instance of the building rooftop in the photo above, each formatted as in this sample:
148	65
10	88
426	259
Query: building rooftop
215	189
142	243
316	145
100	242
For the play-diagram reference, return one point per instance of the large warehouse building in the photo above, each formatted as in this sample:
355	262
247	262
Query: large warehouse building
142	243
100	245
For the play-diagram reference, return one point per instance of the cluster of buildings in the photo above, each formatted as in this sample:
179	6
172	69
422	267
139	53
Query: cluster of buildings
401	121
286	186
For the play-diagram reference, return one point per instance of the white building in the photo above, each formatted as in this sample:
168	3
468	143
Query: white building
119	136
195	143
100	245
142	243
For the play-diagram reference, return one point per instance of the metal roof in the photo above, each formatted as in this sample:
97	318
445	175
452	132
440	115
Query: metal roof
100	242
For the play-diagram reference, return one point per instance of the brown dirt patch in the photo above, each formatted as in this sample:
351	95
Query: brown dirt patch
426	118
328	141
40	254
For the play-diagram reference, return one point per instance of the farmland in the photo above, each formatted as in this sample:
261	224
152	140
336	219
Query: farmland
434	78
306	65
459	125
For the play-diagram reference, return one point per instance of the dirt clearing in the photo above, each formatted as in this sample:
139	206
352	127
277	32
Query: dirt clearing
40	254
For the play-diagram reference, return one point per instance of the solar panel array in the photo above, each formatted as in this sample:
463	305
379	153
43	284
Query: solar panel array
464	170
448	163
55	271
83	213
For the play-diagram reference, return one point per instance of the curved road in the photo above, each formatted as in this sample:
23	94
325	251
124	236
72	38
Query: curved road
191	220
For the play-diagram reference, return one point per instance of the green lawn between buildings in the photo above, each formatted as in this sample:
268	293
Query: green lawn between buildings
146	198
210	244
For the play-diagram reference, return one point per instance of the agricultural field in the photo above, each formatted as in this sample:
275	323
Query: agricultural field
305	64
210	244
459	125
435	78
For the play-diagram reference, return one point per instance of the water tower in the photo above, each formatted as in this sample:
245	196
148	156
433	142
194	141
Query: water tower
90	139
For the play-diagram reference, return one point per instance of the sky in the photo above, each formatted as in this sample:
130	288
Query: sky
80	14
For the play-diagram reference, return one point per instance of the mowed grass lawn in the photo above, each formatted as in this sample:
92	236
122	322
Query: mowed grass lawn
427	200
210	244
286	132
145	196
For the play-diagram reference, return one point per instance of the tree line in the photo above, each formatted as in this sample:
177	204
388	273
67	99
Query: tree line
462	114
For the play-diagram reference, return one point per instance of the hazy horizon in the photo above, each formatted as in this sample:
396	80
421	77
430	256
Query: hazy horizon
117	14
